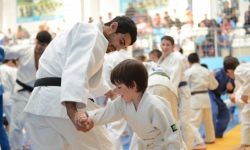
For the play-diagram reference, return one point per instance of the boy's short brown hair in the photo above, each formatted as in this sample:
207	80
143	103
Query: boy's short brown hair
128	71
230	62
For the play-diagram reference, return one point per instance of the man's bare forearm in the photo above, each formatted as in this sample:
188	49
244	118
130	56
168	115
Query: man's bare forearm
71	109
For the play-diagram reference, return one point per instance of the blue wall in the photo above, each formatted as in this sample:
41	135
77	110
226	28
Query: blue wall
217	62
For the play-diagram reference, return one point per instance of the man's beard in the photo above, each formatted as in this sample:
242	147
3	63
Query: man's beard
110	48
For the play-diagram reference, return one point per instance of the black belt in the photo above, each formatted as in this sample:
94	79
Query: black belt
51	81
198	92
182	83
24	86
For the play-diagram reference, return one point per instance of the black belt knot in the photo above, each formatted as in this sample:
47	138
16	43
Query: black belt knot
24	86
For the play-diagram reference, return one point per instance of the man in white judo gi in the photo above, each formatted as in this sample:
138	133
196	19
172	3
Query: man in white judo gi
28	57
69	72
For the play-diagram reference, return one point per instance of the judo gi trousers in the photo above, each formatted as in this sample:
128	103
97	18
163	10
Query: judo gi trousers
184	113
245	125
203	115
51	133
221	114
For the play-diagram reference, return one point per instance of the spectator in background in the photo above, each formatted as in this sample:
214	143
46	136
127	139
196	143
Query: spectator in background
147	19
43	27
157	20
206	21
90	20
168	21
22	33
247	20
202	31
101	20
130	12
209	45
109	16
227	10
234	18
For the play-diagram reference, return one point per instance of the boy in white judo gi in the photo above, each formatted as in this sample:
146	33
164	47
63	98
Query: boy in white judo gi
200	80
175	65
69	72
117	128
28	57
148	115
159	83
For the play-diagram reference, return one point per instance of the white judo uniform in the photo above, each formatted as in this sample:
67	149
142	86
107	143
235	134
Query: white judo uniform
117	128
76	56
242	79
159	83
152	122
26	73
175	65
8	79
200	80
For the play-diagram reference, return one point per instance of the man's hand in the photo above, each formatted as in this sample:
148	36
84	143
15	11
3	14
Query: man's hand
79	119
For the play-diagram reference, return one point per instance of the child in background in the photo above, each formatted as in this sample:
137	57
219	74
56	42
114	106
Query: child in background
200	80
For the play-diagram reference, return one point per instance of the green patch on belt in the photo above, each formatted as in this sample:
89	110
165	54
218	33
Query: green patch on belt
174	128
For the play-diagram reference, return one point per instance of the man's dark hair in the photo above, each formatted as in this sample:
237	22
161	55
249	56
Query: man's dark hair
125	25
193	58
230	62
157	52
44	37
168	38
128	71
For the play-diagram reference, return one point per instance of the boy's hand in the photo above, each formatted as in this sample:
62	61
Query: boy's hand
87	124
79	121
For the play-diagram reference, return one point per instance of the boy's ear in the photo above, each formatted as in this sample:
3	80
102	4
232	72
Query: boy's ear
134	85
